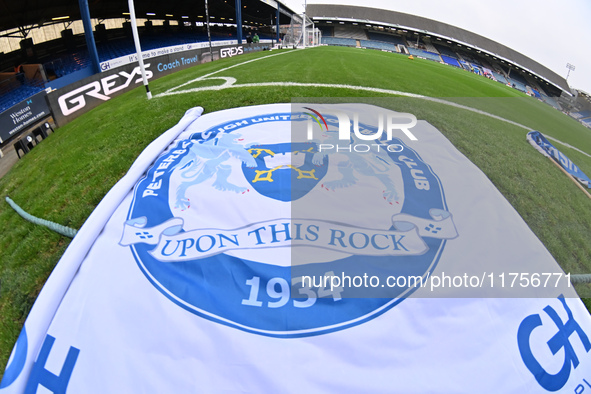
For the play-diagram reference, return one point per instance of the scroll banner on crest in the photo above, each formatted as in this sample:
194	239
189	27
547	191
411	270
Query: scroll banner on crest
545	147
190	275
174	245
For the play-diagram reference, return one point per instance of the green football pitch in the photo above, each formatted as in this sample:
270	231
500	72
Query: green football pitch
64	178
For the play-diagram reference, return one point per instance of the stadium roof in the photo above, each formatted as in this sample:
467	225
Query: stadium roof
28	14
419	24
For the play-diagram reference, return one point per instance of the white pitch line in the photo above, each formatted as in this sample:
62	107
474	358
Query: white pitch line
567	145
223	69
230	83
303	84
341	86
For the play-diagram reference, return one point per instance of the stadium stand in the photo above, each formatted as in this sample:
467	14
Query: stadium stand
14	90
15	96
327	31
425	54
551	101
477	68
537	88
397	40
518	85
468	57
65	64
378	45
403	49
500	77
349	31
515	76
446	51
581	114
450	60
346	42
465	65
430	47
486	64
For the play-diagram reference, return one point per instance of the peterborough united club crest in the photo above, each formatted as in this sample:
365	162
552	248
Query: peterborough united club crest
242	223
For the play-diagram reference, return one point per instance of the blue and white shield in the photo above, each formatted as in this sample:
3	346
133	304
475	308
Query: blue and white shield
285	171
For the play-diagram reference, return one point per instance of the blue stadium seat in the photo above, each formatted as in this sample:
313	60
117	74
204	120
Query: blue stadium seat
21	93
518	85
393	39
378	45
348	42
451	60
425	54
581	114
499	77
551	101
65	64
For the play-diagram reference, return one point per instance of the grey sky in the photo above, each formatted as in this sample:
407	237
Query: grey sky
552	32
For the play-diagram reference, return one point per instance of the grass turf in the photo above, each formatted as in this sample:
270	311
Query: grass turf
66	177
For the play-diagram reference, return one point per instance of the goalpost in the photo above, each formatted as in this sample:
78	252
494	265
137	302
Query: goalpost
301	33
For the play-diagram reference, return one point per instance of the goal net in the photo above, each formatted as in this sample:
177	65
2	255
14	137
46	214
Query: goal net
300	32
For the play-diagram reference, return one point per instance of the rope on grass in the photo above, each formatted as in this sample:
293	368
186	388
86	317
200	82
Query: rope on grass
580	278
58	228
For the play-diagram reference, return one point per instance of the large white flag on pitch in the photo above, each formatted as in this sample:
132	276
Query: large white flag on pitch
305	248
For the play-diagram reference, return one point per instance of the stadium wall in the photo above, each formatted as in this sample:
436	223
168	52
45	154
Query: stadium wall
80	97
430	26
